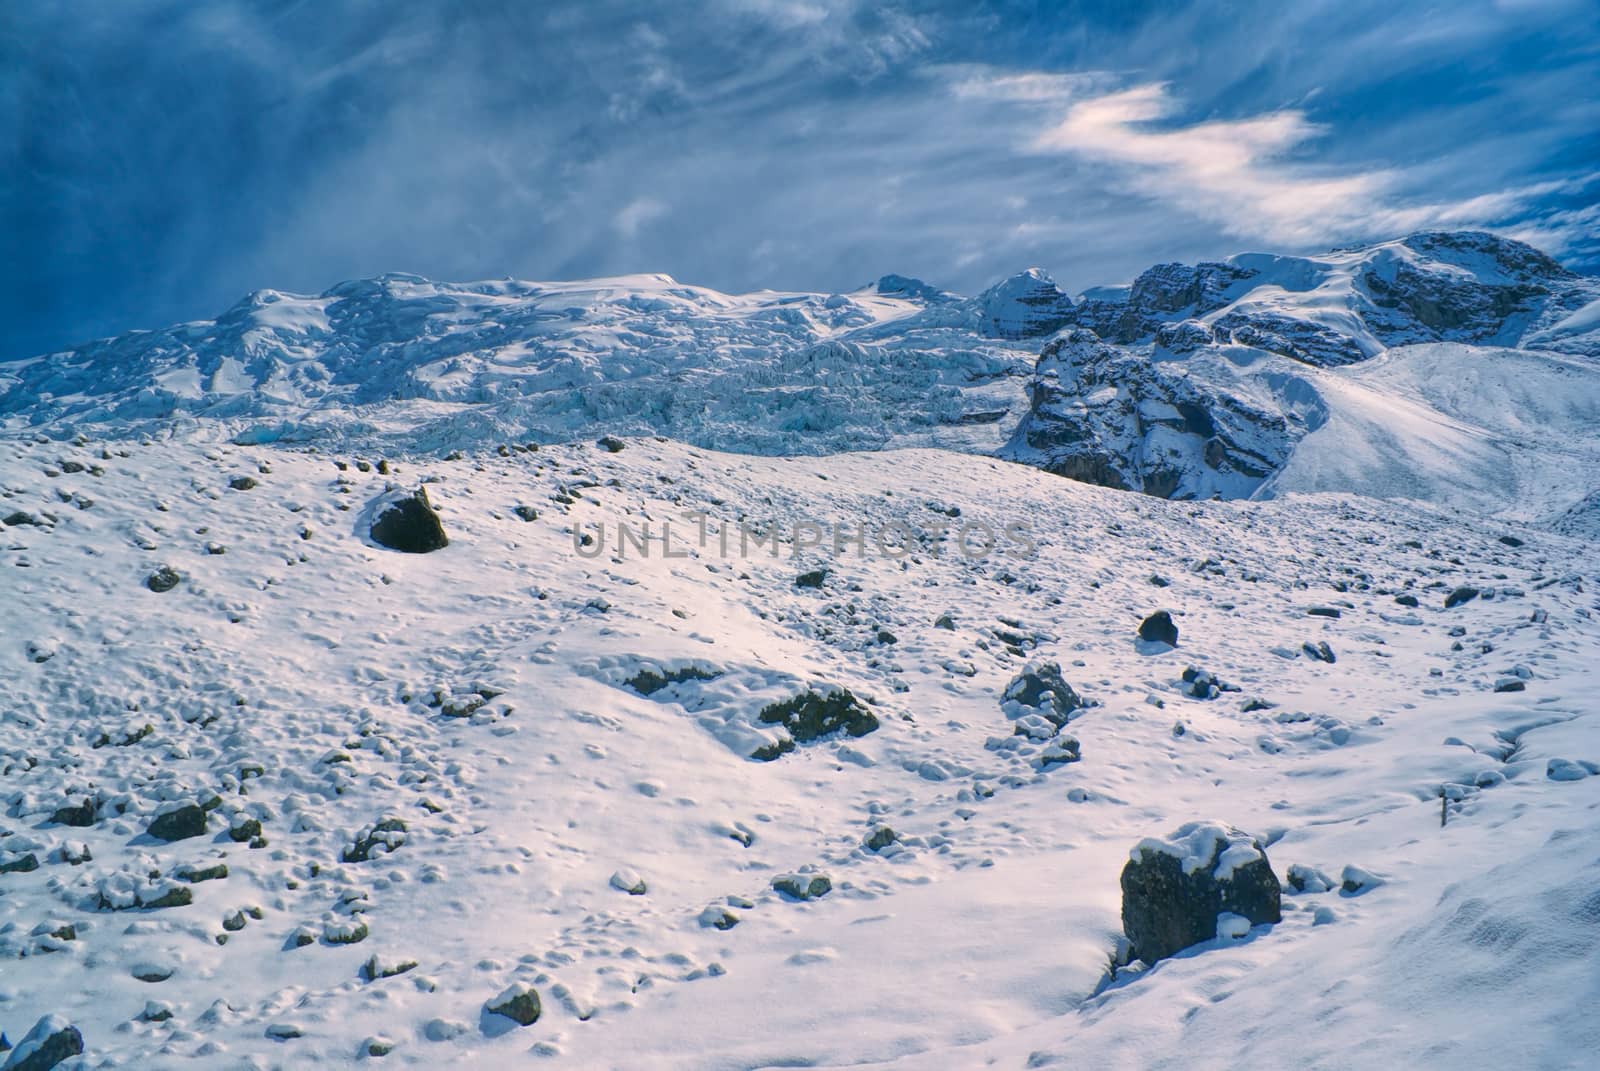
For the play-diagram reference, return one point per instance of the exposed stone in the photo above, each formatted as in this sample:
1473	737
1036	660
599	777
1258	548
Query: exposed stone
1159	628
517	1002
409	525
1040	688
1174	889
179	823
803	886
163	579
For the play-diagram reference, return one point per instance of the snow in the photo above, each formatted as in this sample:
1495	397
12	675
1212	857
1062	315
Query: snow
1198	845
296	675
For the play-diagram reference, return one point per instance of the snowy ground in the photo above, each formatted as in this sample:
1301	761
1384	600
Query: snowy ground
305	678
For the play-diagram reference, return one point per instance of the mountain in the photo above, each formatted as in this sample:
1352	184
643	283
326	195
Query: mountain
1238	378
1343	372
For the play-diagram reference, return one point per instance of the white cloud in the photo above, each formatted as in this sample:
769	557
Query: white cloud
1251	177
635	214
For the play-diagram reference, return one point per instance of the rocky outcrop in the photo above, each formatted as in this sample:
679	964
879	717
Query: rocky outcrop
1104	415
1027	305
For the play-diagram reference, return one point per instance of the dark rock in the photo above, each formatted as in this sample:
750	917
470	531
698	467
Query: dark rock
25	863
803	886
163	579
51	1041
380	838
1307	879
812	579
18	518
879	839
80	816
519	1003
1172	892
243	483
718	918
1319	651
1255	703
946	622
410	525
1040	687
173	897
1159	628
527	513
649	682
812	715
1511	541
1459	596
1510	684
886	637
611	443
191	873
1323	611
244	829
375	968
1406	600
180	823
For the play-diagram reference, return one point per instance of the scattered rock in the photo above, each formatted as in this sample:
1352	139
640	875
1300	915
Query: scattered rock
812	579
1510	684
243	483
1308	879
377	1045
163	579
629	882
1319	651
284	1031
152	972
718	918
803	886
1040	688
812	715
648	682
20	863
409	525
1159	628
381	838
527	513
178	822
1406	599
51	1041
377	967
80	816
1511	541
1459	596
191	873
1174	889
1353	880
879	839
517	1002
1323	611
946	622
611	443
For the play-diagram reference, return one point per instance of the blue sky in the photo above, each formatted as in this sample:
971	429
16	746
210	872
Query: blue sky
163	158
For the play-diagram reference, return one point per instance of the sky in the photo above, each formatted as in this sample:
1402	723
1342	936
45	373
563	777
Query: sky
160	159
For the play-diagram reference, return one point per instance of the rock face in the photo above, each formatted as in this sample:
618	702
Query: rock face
1106	415
409	524
1174	889
51	1041
1193	381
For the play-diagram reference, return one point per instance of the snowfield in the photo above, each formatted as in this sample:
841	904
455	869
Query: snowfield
419	786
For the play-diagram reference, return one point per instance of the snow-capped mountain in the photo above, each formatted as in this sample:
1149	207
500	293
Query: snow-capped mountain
1191	382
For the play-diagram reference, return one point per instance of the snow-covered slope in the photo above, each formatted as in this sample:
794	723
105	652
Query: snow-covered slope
449	766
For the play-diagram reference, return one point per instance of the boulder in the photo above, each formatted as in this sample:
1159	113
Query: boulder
517	1002
51	1041
1464	593
409	524
163	579
1159	628
1173	889
179	823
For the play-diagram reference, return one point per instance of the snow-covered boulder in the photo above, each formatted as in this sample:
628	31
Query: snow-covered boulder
1173	889
407	522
